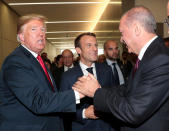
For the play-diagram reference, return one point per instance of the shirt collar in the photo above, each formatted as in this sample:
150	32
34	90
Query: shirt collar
84	67
143	50
109	62
69	67
33	53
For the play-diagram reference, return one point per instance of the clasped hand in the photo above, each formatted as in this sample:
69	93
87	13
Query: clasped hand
87	85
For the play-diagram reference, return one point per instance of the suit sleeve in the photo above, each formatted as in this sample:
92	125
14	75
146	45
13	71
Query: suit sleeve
142	97
32	91
67	81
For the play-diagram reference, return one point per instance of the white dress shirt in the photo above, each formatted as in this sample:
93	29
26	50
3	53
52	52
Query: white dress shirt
66	68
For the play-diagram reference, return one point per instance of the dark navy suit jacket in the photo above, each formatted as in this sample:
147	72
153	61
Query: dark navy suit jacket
104	76
27	102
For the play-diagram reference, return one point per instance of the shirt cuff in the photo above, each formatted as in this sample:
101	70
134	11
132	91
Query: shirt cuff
77	97
83	114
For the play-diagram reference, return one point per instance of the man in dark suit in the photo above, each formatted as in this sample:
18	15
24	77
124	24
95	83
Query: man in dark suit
67	57
86	46
111	52
143	104
29	99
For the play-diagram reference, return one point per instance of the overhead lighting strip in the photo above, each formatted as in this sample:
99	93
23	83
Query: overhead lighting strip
70	42
60	38
62	22
57	32
100	12
61	3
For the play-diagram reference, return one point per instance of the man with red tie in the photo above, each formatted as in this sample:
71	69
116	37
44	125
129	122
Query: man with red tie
143	104
28	94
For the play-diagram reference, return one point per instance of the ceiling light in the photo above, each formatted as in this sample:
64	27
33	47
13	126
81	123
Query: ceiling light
60	3
60	38
80	31
103	21
100	12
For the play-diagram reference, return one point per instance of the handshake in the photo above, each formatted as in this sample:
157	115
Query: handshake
87	86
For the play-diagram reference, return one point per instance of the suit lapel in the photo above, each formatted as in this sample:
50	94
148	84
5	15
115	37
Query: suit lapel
99	74
78	71
36	66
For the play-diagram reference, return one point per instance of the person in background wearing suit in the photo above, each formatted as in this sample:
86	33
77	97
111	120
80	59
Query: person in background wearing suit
166	40
111	52
87	47
143	104
67	57
28	95
126	64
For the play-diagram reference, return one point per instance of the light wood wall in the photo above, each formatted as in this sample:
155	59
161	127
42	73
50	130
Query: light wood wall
8	20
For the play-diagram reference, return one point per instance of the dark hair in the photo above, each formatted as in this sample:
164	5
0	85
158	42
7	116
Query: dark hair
58	57
48	61
107	42
125	52
78	38
166	39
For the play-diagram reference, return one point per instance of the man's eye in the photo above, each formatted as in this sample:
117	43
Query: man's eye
43	29
33	29
89	45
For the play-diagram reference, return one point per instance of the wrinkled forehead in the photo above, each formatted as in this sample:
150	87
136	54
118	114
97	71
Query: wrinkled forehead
121	23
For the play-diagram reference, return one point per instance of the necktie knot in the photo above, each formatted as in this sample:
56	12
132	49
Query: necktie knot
39	58
114	64
136	66
90	70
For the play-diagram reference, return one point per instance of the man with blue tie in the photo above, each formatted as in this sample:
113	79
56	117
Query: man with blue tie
28	94
111	52
87	47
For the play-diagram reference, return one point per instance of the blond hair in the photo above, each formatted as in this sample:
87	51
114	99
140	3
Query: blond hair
23	20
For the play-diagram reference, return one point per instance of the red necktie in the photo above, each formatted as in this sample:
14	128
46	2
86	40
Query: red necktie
136	66
45	70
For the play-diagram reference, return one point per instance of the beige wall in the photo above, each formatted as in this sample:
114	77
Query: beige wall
51	51
8	21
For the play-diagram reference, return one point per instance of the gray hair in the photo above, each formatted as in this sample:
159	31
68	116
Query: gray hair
144	16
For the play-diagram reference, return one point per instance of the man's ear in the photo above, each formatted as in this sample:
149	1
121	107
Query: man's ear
137	29
78	50
21	36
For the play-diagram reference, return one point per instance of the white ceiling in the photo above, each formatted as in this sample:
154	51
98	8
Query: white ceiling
72	17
